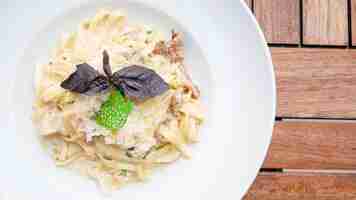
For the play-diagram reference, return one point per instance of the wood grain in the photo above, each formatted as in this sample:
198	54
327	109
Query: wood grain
313	145
325	22
279	20
249	3
313	82
353	22
303	186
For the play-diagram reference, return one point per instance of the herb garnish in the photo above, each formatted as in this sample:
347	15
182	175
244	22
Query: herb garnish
86	80
135	82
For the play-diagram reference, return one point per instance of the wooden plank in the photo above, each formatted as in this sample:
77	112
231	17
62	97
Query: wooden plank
313	82
249	3
303	186
353	22
279	20
325	22
313	145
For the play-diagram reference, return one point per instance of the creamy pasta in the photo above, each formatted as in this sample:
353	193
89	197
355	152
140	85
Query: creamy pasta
157	130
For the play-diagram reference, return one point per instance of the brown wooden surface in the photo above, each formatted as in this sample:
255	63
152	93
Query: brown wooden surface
325	22
315	65
313	82
279	20
303	186
353	21
313	145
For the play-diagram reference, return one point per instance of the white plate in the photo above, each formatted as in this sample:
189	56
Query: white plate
228	57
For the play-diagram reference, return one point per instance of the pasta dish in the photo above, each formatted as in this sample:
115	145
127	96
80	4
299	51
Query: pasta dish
115	101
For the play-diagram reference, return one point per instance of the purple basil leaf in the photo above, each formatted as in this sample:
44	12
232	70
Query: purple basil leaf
106	64
134	89
139	83
99	85
85	80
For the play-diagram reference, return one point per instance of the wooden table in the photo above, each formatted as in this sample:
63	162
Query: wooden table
313	150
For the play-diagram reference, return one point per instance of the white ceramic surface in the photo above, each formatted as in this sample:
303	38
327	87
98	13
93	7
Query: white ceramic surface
229	60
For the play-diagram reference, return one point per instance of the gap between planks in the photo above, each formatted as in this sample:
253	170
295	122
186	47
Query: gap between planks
319	120
320	171
309	171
